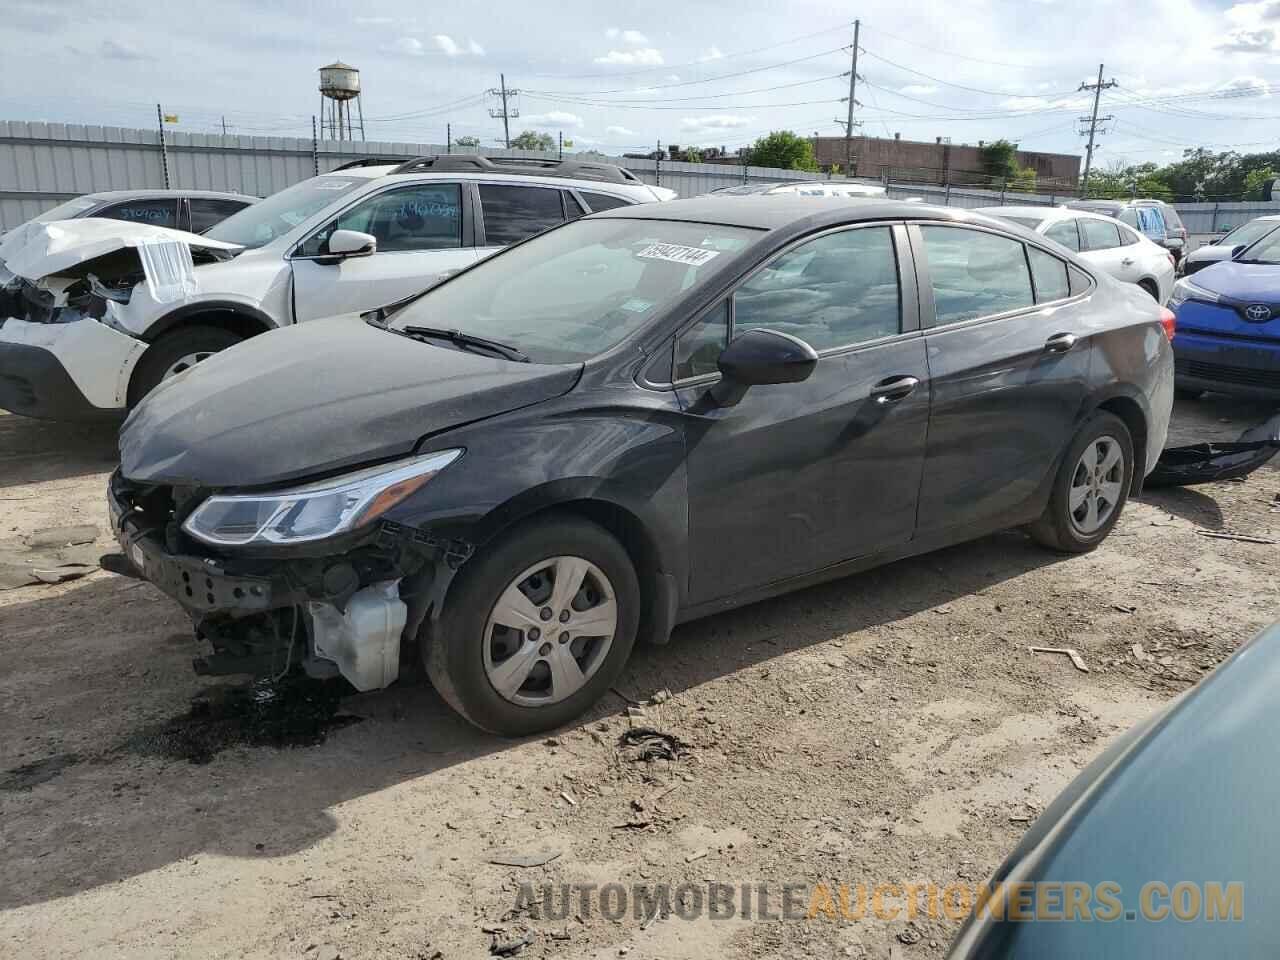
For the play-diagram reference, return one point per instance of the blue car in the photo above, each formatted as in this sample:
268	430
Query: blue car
1228	318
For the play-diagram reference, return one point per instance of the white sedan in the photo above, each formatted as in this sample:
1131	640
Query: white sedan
1103	241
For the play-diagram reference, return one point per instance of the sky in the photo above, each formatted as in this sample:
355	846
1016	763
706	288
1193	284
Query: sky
622	77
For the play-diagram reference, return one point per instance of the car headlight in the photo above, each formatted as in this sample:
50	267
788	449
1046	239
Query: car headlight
313	511
1185	290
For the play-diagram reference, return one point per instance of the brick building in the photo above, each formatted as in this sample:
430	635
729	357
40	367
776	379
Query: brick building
913	161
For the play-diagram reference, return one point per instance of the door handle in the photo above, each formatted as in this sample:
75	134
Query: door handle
1127	262
1060	343
894	389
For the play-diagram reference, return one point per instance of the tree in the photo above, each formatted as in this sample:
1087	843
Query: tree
693	155
999	160
532	140
469	143
784	150
1256	181
1024	180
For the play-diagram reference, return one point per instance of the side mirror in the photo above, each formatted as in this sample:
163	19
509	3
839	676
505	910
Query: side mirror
1237	250
352	243
759	357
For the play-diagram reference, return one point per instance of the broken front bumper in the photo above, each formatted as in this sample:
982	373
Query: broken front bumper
342	614
65	371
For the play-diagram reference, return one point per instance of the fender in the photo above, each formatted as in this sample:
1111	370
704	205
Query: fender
251	316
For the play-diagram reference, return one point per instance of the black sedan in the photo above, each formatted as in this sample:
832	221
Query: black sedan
636	419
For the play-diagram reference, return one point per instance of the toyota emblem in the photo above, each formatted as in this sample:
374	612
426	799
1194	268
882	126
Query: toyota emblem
1257	312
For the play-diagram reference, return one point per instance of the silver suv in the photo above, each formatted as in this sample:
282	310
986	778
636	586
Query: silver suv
352	240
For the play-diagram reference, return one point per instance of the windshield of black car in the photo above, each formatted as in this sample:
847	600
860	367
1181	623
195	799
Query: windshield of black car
1248	233
576	291
1266	250
259	224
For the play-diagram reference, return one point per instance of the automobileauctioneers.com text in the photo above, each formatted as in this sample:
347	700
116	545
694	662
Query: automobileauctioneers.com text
1017	901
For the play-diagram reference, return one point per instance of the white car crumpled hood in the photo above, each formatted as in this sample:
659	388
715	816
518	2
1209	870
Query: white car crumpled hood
37	250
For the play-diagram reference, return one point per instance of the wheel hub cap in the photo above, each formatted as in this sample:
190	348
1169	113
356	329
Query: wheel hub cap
1096	485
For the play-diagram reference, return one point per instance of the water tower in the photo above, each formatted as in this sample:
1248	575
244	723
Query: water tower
339	87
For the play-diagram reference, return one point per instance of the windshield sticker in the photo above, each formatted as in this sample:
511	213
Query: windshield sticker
333	184
677	253
636	305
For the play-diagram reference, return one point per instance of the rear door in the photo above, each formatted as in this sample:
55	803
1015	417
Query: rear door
423	234
1101	246
205	212
511	212
1008	361
799	476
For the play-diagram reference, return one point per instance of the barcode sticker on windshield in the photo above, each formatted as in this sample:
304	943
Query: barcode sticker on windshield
677	253
332	184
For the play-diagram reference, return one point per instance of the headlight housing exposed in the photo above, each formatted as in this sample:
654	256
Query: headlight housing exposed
1185	290
314	511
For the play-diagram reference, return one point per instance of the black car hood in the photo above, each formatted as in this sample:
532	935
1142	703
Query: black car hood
307	400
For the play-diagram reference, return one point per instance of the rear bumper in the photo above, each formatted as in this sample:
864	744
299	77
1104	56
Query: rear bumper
65	371
1227	364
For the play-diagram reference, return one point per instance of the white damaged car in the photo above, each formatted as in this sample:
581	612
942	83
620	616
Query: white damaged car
95	313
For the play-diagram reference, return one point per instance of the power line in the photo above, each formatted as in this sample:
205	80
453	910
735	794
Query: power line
716	96
961	56
708	106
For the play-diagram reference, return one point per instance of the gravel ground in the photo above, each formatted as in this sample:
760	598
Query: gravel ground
890	727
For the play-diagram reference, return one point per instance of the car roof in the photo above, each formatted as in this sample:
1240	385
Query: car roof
388	173
1044	213
782	210
108	195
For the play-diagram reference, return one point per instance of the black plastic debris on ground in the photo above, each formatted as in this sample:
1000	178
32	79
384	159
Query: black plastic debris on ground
645	743
1206	462
294	712
37	772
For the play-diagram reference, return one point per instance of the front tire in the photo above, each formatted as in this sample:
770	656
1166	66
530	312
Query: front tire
1091	487
536	628
175	352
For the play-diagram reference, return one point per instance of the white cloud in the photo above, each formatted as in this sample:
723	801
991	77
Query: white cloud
1242	87
619	132
644	57
1024	103
451	48
374	21
711	53
721	122
1245	40
118	50
673	77
918	89
555	119
633	37
409	46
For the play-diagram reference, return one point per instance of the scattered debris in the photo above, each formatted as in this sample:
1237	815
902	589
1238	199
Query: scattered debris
1239	537
327	951
63	536
696	855
662	696
1123	608
1066	651
568	799
508	858
909	935
1139	654
645	743
46	557
509	947
1206	462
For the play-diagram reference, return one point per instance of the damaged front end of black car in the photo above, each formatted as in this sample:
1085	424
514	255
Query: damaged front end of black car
311	576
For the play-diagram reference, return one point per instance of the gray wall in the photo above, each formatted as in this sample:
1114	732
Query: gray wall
42	164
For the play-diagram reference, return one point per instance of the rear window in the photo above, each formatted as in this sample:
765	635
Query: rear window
68	210
602	201
1029	222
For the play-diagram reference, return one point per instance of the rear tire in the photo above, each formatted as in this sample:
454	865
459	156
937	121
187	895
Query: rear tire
470	651
174	352
1091	488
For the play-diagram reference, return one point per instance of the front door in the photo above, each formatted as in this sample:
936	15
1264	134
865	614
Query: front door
1008	360
796	477
421	239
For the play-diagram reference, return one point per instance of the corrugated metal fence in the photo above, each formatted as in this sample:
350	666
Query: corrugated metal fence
43	164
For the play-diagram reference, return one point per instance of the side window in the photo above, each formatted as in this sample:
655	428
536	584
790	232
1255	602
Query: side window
1128	237
602	201
1065	233
205	212
1099	234
573	208
699	347
1050	276
158	213
830	292
514	212
975	274
421	217
1129	215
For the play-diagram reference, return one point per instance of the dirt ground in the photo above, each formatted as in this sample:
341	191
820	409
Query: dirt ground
891	727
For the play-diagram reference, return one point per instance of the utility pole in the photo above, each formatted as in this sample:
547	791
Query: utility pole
505	113
448	138
224	124
1093	122
164	147
853	86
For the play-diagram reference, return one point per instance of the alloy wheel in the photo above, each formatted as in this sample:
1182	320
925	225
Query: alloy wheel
186	362
1096	485
549	631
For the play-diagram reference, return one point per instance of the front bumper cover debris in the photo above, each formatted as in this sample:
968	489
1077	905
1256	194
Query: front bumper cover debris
1206	462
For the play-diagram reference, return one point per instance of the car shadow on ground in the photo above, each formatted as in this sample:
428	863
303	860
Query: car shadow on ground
33	451
88	770
1188	503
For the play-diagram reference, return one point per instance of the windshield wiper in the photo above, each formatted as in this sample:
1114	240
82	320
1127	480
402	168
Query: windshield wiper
467	340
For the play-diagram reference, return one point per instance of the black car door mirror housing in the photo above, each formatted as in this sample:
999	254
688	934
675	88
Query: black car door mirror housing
759	357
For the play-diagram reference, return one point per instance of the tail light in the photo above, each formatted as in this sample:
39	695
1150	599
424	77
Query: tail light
1172	262
1168	322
